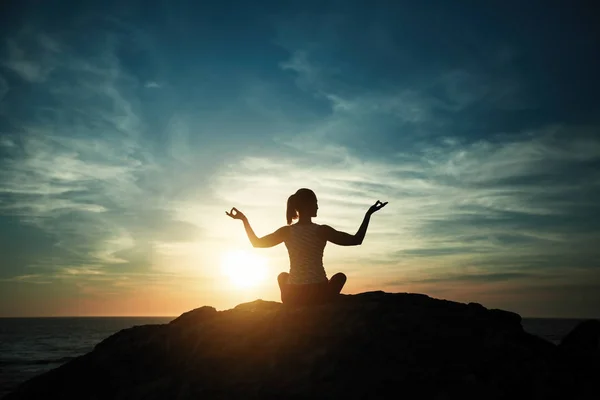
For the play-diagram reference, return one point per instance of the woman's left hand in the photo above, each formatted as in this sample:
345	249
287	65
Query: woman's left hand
376	207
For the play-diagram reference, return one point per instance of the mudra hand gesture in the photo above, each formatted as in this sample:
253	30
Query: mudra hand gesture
236	214
376	207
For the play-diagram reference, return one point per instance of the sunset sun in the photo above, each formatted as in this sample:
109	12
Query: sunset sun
244	269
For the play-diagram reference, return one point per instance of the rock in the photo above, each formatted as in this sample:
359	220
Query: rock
580	358
583	339
195	316
368	345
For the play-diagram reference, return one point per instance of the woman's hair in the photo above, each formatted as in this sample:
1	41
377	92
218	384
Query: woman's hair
298	202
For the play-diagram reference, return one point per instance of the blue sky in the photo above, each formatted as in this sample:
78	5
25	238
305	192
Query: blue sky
128	128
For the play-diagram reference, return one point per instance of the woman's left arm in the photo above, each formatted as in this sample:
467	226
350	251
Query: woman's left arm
362	231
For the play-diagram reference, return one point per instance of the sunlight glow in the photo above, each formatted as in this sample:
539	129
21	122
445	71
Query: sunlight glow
244	269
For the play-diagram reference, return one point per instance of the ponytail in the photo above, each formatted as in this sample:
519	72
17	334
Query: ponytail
298	202
290	212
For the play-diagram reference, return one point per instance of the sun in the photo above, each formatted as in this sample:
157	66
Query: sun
244	269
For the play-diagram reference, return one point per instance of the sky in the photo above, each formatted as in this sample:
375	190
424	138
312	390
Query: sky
128	128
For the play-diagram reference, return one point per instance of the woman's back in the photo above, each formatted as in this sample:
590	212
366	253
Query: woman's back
305	245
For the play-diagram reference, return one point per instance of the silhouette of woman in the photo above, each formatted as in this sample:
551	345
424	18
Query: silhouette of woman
307	282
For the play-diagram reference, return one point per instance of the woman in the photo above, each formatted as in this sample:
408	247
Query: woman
307	282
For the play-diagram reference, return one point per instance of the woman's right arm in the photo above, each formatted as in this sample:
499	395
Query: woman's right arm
270	240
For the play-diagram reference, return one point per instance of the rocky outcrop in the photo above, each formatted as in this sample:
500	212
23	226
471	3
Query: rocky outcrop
583	340
369	345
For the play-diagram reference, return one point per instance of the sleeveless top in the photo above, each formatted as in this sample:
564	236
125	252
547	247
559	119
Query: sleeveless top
305	249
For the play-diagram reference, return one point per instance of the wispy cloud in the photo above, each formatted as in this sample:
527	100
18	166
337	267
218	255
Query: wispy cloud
41	279
80	165
33	63
125	151
152	85
459	202
3	87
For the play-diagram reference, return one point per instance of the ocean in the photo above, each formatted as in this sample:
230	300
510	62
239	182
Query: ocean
31	346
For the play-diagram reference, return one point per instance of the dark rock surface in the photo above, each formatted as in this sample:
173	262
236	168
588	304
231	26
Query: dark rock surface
369	345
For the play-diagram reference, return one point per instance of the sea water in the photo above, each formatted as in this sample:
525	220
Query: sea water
30	346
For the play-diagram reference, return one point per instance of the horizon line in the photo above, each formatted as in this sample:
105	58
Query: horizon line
176	316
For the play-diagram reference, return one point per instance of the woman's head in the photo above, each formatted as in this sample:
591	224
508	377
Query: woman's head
303	202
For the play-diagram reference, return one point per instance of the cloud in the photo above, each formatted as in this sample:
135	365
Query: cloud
308	74
35	62
39	279
3	88
453	205
458	193
152	85
480	278
132	186
79	164
378	119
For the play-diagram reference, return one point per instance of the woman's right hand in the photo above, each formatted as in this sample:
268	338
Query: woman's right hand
236	214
